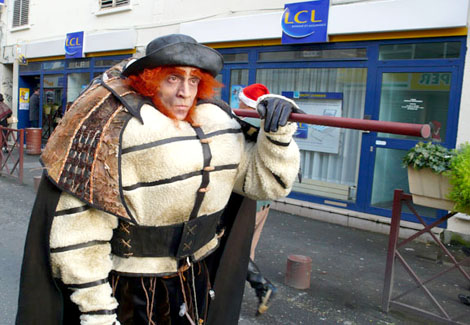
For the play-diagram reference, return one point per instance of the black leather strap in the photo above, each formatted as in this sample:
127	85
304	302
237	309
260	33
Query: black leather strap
88	284
100	312
72	210
179	241
278	143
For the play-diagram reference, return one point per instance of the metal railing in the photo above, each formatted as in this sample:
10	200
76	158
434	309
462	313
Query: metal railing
11	153
435	309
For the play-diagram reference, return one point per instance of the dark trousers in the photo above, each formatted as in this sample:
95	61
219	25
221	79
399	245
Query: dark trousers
160	298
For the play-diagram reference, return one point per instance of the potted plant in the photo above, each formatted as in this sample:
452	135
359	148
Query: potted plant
428	166
459	175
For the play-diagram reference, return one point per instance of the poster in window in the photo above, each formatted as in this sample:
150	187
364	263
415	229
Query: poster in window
24	99
312	137
234	91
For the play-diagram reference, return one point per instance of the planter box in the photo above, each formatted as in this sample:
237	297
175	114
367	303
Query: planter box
429	189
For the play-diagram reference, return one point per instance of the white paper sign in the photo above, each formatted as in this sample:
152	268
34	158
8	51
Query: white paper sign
318	137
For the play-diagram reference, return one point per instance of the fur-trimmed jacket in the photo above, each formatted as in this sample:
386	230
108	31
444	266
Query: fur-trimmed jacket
150	171
161	164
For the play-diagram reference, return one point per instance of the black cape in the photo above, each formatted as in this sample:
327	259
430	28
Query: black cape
41	301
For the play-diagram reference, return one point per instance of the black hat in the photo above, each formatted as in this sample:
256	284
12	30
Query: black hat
177	49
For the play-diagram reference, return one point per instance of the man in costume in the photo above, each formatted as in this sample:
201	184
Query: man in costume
264	288
136	220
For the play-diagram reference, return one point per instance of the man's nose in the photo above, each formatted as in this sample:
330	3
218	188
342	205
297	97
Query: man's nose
183	89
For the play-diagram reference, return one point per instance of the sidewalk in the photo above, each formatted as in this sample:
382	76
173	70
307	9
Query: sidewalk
346	280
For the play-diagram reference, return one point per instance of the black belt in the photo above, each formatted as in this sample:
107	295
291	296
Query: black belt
179	240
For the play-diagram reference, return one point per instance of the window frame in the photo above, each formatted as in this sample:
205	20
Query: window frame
373	65
114	4
20	19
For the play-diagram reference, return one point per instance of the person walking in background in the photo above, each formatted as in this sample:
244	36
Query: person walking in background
5	113
264	289
34	108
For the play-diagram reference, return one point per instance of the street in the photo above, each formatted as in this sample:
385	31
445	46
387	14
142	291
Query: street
346	280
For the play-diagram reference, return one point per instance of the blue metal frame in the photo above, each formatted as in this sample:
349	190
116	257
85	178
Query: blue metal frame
406	144
64	71
375	68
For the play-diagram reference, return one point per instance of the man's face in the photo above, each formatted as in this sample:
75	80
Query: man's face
178	90
243	105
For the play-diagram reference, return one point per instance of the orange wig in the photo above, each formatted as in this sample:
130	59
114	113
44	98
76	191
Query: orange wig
148	81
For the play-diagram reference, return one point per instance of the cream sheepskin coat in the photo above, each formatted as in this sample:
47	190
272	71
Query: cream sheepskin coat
151	155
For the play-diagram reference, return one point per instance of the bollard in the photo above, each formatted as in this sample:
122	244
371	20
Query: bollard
37	180
298	271
33	141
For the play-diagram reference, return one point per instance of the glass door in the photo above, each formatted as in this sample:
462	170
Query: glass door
76	83
410	95
53	87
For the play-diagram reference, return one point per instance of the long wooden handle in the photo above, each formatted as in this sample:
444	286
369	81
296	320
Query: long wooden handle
416	130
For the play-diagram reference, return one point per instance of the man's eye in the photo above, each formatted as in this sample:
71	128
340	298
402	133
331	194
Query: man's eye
172	79
194	81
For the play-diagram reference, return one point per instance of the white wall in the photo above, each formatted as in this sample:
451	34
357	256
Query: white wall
52	19
211	21
346	17
215	21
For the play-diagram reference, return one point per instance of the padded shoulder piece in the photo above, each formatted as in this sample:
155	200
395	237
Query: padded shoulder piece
250	131
81	156
217	102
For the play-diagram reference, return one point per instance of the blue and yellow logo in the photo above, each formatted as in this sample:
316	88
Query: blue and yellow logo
74	45
305	22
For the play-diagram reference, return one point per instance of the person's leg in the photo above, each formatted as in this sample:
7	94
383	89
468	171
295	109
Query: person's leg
261	217
264	289
3	141
3	136
464	299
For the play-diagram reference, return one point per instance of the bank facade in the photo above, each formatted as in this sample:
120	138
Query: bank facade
388	61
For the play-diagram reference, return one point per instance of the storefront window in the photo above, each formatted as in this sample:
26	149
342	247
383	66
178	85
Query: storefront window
332	175
106	62
218	94
78	64
416	97
76	82
415	51
235	57
389	175
311	55
53	65
31	66
238	80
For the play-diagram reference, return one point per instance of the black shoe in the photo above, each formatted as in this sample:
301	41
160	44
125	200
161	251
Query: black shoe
464	299
264	289
265	297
